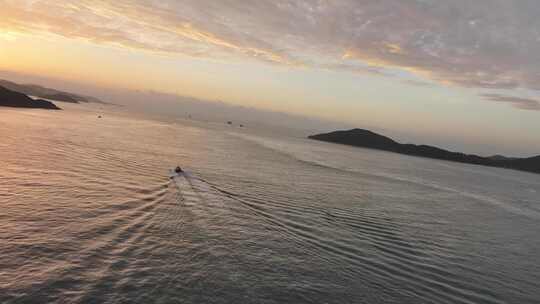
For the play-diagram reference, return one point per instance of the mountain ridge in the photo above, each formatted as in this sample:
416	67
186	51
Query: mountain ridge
9	98
368	139
47	93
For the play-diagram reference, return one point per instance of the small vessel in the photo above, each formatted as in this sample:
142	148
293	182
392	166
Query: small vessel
176	172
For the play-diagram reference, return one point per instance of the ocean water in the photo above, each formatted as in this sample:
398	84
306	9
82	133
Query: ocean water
88	214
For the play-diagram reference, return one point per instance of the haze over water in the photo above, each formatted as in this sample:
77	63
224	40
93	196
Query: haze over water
89	215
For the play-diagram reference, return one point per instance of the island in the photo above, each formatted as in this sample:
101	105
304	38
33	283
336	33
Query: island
47	93
14	99
368	139
60	97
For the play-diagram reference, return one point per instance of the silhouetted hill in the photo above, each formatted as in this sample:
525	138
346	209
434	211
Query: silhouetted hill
499	157
60	97
47	93
367	139
531	164
10	98
359	137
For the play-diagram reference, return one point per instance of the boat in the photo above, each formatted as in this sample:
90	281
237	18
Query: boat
176	172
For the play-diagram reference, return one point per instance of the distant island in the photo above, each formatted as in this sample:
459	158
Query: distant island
367	139
9	98
60	97
47	93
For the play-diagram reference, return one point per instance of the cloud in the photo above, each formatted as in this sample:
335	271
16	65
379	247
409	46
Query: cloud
491	44
517	102
128	24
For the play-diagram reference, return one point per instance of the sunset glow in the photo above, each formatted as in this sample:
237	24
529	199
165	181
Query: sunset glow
293	56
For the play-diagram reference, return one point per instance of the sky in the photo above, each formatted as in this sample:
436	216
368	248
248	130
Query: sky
462	74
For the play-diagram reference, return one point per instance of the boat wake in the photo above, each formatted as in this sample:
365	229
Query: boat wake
381	248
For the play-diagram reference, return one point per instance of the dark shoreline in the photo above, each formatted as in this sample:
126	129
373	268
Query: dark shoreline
367	139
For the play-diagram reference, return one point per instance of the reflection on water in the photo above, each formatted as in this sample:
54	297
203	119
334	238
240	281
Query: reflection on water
88	214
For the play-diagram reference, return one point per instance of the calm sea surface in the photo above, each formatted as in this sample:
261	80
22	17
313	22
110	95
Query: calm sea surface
88	214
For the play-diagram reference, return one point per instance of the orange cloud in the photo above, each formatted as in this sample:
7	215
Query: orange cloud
110	24
436	41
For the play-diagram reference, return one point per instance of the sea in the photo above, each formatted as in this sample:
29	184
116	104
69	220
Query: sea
90	214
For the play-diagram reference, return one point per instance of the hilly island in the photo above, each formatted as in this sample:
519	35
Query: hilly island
368	139
14	99
47	93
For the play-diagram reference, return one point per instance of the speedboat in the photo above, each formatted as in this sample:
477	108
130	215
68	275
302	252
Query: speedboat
176	172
